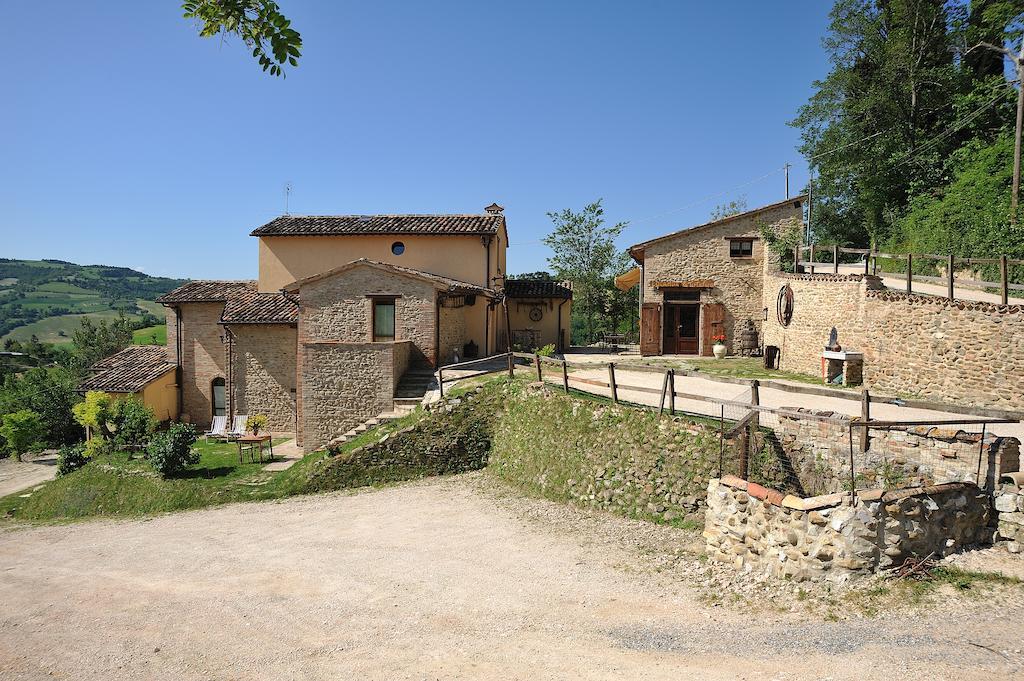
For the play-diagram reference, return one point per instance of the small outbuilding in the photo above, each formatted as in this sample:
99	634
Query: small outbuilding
140	371
539	313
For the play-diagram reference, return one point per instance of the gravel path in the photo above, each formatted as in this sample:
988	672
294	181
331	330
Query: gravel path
453	578
21	475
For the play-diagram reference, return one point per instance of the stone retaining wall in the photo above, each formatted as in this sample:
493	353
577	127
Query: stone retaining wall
828	538
1009	505
819	454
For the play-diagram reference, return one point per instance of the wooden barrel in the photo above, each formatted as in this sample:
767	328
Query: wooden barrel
749	343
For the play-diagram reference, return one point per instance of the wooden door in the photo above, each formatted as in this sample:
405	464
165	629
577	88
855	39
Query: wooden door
712	324
682	335
650	329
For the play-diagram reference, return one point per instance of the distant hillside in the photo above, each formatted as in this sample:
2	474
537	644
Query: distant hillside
48	298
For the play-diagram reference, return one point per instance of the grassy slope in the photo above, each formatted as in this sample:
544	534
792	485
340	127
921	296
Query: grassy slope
151	335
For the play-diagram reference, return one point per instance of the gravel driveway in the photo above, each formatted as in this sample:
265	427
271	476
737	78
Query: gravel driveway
450	578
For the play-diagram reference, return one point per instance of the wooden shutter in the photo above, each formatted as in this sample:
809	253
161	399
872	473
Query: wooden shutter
712	324
650	329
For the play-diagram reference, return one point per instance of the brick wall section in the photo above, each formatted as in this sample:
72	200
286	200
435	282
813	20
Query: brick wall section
338	308
203	359
343	384
265	373
452	329
172	333
704	254
819	454
954	351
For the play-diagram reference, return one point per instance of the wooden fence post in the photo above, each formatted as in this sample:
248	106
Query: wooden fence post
949	264
672	392
565	376
664	390
865	416
511	365
1004	281
440	381
867	262
611	382
796	259
536	358
835	258
744	442
755	400
910	273
811	258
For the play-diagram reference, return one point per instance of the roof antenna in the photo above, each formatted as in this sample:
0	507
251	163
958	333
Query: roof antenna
287	193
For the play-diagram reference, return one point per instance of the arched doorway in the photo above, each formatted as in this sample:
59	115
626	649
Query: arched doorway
219	397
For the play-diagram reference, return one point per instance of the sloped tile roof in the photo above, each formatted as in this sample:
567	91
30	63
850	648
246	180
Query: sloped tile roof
208	292
327	225
130	370
243	304
445	283
535	288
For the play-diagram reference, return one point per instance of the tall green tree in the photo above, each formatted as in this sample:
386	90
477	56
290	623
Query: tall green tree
258	23
95	341
584	252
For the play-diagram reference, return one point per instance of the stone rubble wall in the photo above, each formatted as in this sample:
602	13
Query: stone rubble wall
452	330
819	454
927	346
343	384
1009	505
827	538
263	365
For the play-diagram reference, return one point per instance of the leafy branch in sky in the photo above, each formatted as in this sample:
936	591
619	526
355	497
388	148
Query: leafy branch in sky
259	23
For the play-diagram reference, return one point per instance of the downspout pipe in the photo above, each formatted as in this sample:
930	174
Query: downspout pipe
558	332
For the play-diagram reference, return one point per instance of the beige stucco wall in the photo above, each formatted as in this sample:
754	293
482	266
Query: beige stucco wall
161	396
704	254
519	318
284	259
203	358
263	367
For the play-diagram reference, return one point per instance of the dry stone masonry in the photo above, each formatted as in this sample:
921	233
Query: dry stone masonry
831	539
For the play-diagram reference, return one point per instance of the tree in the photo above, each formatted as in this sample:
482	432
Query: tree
96	341
584	252
734	207
51	393
21	431
259	23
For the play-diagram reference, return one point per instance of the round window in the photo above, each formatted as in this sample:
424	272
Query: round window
398	248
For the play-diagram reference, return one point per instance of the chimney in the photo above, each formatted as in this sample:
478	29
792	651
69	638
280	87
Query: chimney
494	209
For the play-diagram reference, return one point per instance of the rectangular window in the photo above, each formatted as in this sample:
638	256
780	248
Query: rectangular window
741	248
384	319
685	294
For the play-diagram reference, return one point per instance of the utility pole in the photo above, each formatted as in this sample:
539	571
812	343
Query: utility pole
1018	62
786	167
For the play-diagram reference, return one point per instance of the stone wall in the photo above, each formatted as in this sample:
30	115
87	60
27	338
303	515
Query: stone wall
931	347
340	308
452	330
1009	505
703	253
827	538
343	384
203	358
263	367
818	452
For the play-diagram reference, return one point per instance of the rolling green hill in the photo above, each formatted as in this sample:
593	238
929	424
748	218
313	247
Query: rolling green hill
48	298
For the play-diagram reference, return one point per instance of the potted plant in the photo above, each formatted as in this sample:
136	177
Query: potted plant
256	423
719	347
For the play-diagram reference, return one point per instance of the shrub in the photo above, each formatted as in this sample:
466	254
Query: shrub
255	423
547	350
97	445
133	422
70	459
171	452
94	411
21	430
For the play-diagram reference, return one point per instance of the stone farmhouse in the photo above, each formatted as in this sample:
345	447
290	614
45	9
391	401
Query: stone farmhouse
350	315
703	281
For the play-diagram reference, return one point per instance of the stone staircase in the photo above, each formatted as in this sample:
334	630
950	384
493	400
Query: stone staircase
398	412
414	384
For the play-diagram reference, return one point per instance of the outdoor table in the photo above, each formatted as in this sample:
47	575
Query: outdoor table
255	444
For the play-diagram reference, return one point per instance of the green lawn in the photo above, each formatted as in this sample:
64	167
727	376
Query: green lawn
151	335
122	486
735	367
59	329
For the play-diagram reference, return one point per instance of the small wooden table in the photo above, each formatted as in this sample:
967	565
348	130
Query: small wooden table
255	444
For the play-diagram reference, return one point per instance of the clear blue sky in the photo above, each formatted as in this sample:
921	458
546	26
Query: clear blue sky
127	140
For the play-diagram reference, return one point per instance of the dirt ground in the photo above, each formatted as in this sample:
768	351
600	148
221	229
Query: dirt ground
454	578
34	470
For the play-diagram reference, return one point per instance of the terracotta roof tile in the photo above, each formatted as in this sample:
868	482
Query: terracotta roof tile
534	288
208	292
261	308
327	225
130	370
